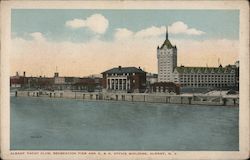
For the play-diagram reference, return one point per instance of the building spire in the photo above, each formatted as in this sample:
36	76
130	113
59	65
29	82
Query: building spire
166	32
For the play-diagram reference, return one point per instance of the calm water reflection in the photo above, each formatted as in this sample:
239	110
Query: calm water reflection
41	123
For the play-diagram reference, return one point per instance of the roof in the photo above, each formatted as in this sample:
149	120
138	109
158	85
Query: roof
166	43
121	70
204	69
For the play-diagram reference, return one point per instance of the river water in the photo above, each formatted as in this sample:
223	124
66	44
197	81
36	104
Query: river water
46	124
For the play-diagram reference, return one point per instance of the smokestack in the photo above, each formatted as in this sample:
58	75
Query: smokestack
56	74
17	74
24	73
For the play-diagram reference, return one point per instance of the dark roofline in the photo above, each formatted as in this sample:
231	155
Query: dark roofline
202	69
118	70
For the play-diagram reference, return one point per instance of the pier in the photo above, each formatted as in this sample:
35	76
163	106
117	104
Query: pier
191	99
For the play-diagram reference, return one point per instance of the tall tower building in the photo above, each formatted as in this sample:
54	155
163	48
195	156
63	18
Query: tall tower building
167	60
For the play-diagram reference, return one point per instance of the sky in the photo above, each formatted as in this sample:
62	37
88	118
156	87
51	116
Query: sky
82	42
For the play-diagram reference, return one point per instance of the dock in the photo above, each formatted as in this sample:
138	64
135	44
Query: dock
191	99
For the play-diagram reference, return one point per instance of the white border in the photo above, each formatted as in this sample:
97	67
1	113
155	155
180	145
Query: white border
6	7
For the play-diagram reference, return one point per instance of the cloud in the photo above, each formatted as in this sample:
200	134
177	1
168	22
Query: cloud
180	27
123	33
76	23
151	32
96	23
96	56
37	36
154	31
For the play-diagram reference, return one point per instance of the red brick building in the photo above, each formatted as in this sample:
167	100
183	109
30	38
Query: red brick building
124	79
18	81
89	84
165	87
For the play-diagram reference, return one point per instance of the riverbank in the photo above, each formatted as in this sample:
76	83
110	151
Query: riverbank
190	99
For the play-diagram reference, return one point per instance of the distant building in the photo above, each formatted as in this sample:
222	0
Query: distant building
45	83
209	77
124	79
89	84
55	83
237	75
18	81
165	87
195	77
151	78
167	61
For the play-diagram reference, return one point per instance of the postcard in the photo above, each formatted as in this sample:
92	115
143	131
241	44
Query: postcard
124	80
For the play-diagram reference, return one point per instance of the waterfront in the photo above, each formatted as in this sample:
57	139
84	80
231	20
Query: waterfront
44	123
197	99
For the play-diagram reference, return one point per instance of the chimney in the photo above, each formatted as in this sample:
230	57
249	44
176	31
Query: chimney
120	67
24	73
56	74
17	74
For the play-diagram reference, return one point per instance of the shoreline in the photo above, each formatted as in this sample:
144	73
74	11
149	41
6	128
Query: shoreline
132	102
135	97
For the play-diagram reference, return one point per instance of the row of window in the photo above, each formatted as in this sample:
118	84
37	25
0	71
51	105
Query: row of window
198	82
124	74
118	88
167	66
209	75
165	60
208	72
208	78
119	80
164	68
208	81
164	63
162	79
165	54
165	72
207	85
112	80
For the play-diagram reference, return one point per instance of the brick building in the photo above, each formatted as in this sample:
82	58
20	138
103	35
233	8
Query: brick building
124	79
165	87
57	82
18	81
89	84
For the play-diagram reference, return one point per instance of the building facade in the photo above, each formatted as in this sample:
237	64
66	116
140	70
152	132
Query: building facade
124	79
195	77
86	84
165	87
208	77
18	81
167	60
